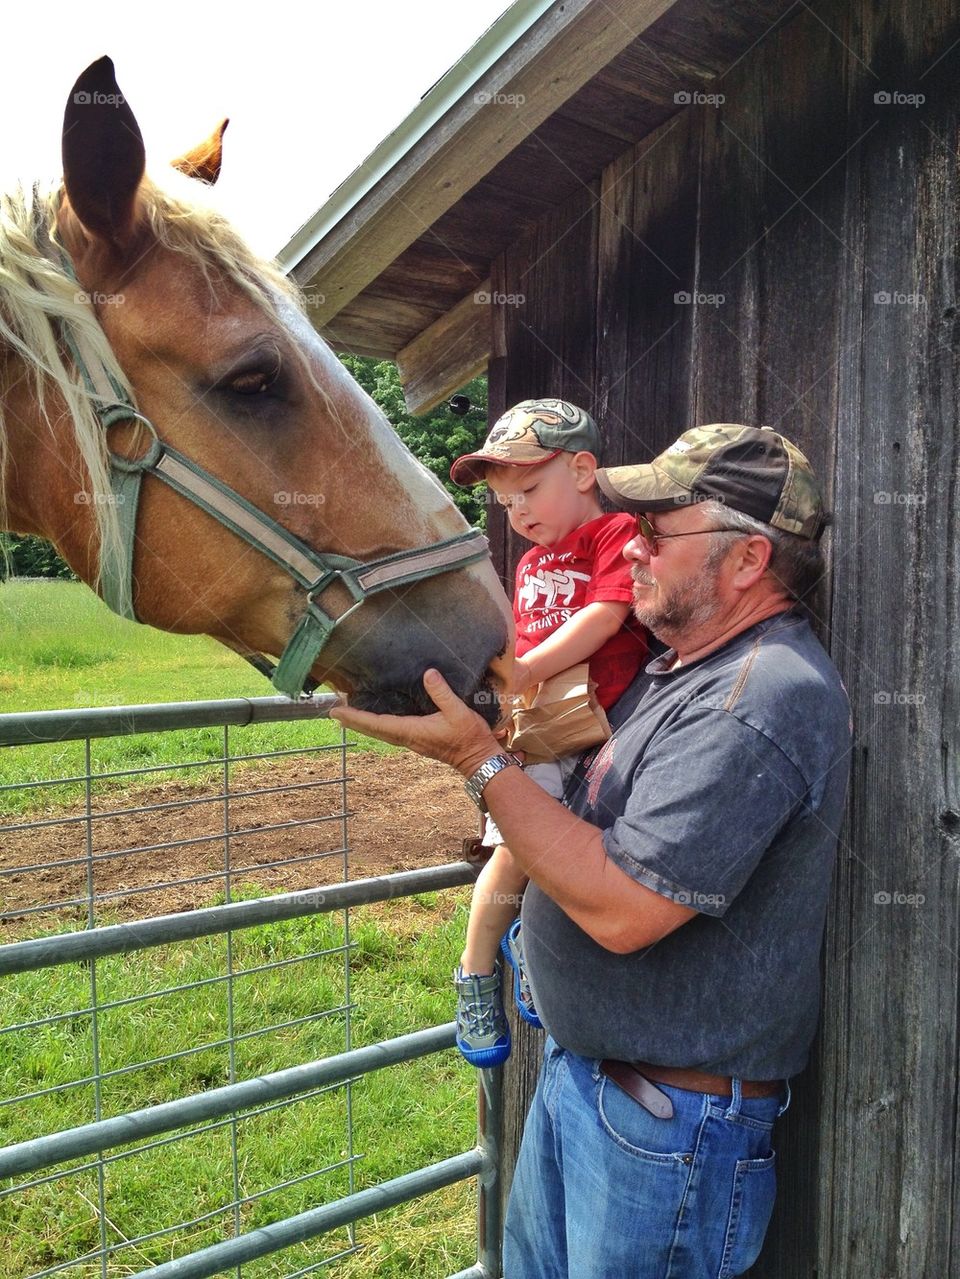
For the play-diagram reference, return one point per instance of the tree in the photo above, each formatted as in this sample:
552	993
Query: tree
435	439
30	556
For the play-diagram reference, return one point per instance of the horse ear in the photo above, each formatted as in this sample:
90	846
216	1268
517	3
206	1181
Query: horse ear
204	160
103	155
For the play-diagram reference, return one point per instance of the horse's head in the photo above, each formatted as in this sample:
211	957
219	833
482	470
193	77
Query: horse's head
218	354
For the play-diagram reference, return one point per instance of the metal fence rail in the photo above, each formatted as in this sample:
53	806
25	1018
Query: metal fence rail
85	1006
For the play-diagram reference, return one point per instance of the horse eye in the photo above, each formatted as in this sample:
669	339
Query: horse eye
253	383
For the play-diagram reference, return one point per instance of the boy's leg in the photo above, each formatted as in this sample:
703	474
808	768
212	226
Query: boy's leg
483	1035
496	901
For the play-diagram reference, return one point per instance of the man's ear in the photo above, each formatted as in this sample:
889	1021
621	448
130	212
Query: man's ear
754	553
584	466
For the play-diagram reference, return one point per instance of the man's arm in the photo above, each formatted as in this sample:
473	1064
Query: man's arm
561	853
576	640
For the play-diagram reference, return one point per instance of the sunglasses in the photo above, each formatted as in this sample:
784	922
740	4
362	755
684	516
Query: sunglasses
650	537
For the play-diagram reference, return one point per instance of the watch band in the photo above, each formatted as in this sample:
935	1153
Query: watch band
476	782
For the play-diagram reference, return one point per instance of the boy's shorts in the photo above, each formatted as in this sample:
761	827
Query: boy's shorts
551	777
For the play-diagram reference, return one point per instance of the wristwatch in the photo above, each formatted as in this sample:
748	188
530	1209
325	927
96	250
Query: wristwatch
489	768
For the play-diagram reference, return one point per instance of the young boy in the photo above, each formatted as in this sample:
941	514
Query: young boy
572	604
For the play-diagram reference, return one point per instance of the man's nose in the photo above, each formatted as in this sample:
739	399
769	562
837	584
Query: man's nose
636	549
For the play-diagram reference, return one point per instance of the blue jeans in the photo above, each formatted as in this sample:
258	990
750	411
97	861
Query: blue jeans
604	1190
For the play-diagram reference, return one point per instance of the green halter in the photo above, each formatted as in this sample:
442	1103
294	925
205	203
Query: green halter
314	570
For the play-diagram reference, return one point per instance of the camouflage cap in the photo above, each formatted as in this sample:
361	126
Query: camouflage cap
750	469
532	432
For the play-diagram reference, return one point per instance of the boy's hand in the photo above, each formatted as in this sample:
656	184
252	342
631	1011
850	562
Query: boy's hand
455	735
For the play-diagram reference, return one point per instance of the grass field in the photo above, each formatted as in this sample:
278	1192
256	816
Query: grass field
403	1116
60	646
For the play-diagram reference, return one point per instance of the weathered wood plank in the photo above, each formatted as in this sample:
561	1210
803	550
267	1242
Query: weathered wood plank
801	200
449	353
890	1065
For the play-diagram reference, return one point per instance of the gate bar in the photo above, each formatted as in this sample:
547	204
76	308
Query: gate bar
115	939
316	1221
87	1139
30	728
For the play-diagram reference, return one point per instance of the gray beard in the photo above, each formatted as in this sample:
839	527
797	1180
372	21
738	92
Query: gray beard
689	606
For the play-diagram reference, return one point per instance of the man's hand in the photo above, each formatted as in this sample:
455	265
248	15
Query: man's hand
455	735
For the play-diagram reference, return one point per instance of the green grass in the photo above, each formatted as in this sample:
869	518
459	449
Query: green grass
60	646
403	1117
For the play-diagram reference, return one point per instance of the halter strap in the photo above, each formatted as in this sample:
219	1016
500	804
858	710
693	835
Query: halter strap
315	571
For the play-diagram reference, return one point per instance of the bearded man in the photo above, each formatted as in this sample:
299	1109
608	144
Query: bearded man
674	919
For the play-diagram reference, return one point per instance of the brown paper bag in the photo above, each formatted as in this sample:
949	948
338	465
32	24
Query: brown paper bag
559	717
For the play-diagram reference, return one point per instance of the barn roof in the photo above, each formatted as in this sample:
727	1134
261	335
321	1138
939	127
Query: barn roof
394	262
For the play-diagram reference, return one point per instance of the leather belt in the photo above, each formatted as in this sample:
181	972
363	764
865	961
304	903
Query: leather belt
635	1077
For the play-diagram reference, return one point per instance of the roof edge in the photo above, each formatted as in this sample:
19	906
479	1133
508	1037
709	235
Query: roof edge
510	27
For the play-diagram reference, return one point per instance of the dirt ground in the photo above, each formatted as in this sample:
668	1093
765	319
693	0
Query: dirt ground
405	812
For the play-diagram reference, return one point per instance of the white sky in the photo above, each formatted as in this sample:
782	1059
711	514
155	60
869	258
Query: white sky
310	89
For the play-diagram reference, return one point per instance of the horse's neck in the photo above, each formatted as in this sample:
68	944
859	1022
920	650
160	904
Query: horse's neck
44	489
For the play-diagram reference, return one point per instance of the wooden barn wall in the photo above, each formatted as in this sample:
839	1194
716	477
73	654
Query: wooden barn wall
790	212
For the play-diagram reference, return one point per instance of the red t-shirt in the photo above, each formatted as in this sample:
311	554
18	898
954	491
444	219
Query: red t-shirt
557	581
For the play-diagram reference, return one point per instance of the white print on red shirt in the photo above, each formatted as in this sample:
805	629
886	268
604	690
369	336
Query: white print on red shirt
552	585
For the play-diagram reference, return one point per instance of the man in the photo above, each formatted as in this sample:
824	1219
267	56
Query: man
674	918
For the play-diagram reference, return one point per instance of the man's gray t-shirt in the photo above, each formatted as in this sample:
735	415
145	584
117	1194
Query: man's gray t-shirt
722	787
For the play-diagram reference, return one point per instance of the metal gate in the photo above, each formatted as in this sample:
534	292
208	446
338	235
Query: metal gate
74	962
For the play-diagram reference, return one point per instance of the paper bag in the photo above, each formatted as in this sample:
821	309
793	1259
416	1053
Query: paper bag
559	717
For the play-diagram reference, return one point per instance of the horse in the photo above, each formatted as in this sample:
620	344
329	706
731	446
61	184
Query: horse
173	424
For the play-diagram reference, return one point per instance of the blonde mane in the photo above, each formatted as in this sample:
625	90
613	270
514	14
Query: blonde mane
37	296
